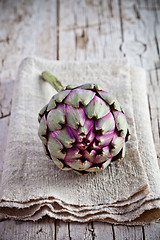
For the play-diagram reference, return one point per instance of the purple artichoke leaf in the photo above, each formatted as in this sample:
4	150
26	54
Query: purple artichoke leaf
84	130
89	155
105	139
73	153
90	137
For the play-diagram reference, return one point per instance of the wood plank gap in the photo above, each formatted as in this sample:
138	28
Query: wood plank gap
158	126
157	77
92	231
113	232
57	23
75	35
69	232
87	26
155	32
55	233
149	106
3	116
156	41
121	21
143	233
110	7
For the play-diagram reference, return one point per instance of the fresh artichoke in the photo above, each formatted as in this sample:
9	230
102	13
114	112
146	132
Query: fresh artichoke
83	128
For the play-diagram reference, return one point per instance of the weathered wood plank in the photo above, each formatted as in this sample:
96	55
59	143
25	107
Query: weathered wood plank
74	231
138	25
103	231
6	90
67	43
81	231
27	28
46	29
130	233
3	140
154	107
62	230
17	35
152	232
28	230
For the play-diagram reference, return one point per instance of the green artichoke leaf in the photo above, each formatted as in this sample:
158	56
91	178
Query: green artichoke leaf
59	164
65	137
106	123
41	113
97	108
78	96
42	131
55	147
91	86
51	104
58	98
117	143
111	100
94	169
46	151
71	87
121	123
75	116
77	164
55	118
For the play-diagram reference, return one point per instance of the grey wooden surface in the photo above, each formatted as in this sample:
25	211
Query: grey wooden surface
78	30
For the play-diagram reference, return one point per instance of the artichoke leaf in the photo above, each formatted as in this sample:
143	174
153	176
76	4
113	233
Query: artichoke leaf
78	96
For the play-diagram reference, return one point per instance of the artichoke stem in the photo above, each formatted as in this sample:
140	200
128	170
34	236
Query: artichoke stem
49	77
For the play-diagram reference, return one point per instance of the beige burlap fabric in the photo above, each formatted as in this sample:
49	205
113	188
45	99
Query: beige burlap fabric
32	186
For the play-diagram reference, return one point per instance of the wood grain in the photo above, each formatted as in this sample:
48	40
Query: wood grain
79	30
127	232
152	232
103	231
41	230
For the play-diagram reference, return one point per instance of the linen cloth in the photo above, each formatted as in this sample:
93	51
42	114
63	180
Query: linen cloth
32	186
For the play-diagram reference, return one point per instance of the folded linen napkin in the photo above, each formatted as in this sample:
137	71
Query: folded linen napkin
32	186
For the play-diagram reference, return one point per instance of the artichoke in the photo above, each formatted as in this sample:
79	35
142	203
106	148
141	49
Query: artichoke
82	128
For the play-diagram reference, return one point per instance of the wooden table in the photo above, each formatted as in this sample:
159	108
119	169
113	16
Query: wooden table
78	30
